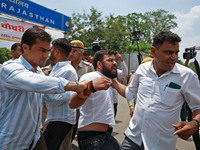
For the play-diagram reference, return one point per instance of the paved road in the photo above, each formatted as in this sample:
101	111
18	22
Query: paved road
122	120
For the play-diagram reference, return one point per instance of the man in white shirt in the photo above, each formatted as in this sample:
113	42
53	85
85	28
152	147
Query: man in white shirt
161	86
60	118
97	112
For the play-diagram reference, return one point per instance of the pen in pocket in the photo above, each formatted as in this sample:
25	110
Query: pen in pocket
165	86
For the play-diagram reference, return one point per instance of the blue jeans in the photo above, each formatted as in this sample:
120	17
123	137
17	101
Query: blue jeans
96	140
130	145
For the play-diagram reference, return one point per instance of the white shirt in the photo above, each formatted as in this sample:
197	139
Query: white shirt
120	74
98	107
159	104
60	110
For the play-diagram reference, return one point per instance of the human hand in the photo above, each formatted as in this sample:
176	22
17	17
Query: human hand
114	83
82	89
185	129
101	83
119	56
131	111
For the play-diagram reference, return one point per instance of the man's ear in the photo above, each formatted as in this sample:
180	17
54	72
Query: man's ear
153	51
99	64
25	48
12	51
56	51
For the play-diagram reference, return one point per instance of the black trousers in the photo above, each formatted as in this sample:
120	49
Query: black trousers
55	133
195	136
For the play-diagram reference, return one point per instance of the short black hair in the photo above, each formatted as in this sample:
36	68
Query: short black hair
99	55
32	34
165	36
63	45
15	45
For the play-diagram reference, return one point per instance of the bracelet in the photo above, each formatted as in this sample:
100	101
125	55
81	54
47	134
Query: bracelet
197	121
91	87
131	107
76	85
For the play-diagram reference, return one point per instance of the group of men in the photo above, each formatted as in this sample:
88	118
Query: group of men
159	88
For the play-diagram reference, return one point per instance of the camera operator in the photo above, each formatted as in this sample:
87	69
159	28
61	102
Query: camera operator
186	109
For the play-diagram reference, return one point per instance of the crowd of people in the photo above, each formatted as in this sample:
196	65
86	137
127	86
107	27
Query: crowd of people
44	107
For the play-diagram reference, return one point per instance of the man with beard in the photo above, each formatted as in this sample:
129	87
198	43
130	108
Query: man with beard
161	86
97	112
60	118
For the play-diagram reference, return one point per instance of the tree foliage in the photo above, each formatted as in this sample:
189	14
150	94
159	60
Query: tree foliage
5	55
117	31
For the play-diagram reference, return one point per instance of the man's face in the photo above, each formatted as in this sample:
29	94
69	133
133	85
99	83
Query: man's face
165	57
37	54
16	53
75	54
109	66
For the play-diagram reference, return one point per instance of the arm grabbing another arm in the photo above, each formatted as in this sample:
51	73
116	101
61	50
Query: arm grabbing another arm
100	83
121	89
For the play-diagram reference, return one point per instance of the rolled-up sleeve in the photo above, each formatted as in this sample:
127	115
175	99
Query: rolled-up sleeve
21	78
131	90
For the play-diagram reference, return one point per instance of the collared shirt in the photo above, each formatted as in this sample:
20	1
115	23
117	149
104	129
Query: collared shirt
47	69
98	107
120	74
21	102
159	102
83	68
60	111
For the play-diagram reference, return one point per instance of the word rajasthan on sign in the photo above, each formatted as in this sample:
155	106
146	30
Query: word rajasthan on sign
36	13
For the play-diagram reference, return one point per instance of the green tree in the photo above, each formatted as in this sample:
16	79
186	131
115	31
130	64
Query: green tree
117	31
157	21
5	54
86	27
192	66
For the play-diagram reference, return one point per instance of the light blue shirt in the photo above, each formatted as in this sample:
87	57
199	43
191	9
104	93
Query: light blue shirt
21	95
60	111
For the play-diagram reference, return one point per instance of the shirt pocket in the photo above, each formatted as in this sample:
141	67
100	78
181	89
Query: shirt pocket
170	96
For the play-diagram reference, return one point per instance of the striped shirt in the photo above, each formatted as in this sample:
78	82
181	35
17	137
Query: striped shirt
21	102
60	111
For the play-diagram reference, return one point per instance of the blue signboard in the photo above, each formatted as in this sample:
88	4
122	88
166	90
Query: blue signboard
36	13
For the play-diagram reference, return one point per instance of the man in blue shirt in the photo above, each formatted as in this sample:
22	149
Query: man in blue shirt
22	84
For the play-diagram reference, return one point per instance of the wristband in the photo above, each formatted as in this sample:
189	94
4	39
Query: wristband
91	87
197	121
131	107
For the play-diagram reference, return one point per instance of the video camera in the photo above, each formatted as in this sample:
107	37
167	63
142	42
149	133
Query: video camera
96	44
190	52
